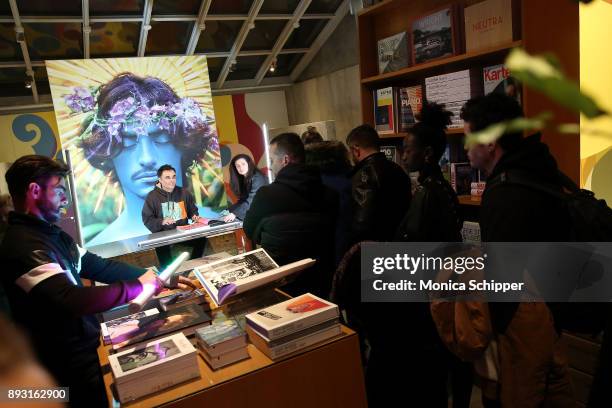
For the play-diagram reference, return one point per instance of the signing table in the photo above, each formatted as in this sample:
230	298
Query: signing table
328	374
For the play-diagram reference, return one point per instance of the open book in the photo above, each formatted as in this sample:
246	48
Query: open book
228	277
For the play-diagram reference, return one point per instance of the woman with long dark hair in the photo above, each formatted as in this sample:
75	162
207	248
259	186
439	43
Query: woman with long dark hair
245	180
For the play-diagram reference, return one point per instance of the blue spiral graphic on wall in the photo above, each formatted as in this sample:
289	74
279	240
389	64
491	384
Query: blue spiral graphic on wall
26	127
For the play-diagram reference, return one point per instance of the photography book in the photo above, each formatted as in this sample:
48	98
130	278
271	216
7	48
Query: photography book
393	53
186	319
221	360
291	316
497	79
433	36
121	328
295	342
153	366
384	111
229	277
221	337
188	297
461	178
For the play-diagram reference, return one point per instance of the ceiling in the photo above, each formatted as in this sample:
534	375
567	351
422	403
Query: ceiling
242	39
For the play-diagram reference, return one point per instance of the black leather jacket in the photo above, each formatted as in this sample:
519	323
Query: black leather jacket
381	197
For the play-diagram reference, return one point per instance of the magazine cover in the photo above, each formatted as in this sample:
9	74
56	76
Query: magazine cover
432	36
497	79
393	53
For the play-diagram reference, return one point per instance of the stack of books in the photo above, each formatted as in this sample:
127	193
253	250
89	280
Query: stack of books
293	325
222	343
151	324
184	298
153	366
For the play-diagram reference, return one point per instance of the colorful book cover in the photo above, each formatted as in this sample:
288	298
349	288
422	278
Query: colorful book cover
122	328
497	79
390	153
432	36
461	178
410	103
393	53
383	111
219	332
291	315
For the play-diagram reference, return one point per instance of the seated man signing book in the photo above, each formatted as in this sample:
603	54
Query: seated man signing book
167	207
42	271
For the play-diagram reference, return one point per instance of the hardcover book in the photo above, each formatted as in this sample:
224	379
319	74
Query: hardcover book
221	360
121	328
153	366
393	53
187	319
461	178
384	111
231	276
221	337
452	90
488	24
390	153
293	343
471	232
409	105
291	316
190	297
433	36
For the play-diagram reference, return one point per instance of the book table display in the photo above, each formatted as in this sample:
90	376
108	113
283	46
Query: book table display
328	374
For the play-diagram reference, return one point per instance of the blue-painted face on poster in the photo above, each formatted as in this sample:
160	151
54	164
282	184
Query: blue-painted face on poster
119	131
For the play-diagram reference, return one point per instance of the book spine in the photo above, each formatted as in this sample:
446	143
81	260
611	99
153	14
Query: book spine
294	326
128	392
299	344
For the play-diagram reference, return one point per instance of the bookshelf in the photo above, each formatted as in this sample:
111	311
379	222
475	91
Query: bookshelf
531	19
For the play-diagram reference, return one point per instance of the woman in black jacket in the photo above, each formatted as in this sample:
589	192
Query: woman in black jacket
245	180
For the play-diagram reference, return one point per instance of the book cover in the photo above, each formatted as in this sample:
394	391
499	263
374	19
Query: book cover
190	297
228	277
291	315
471	232
488	24
393	53
217	361
390	153
461	178
219	332
433	36
452	90
497	79
121	328
409	105
186	318
136	360
384	111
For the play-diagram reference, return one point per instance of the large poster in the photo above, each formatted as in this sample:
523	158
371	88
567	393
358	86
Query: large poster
120	120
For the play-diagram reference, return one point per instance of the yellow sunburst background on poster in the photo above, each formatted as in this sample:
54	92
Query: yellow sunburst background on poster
101	199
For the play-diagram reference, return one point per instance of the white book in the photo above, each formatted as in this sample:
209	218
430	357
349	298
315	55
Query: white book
221	360
471	232
156	355
229	277
291	316
294	345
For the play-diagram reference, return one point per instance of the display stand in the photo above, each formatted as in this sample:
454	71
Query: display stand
328	374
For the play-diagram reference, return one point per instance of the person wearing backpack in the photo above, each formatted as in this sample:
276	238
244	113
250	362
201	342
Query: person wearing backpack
531	363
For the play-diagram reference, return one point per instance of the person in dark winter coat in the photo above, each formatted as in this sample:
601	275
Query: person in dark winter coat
294	217
332	159
245	180
380	188
167	206
532	364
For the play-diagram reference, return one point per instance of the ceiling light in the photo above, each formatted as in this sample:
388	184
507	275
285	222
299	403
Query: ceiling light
29	81
273	66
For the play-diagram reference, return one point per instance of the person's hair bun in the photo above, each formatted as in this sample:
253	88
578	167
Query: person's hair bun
435	116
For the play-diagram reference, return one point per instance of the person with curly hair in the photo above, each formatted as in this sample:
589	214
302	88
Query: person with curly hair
139	124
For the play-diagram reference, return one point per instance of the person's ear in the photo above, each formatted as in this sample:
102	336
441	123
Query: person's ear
285	160
34	190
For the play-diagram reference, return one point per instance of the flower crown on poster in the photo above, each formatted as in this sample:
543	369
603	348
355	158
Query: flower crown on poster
134	111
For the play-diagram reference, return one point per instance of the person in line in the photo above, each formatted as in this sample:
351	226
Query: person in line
380	188
168	206
42	271
311	135
332	160
294	217
433	216
532	364
245	180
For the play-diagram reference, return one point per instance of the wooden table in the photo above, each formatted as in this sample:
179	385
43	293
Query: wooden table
328	374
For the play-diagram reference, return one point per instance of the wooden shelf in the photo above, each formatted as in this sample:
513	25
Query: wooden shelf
418	70
404	134
469	200
377	8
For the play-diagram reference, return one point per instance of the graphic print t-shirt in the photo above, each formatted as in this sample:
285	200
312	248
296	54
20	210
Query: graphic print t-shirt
174	210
